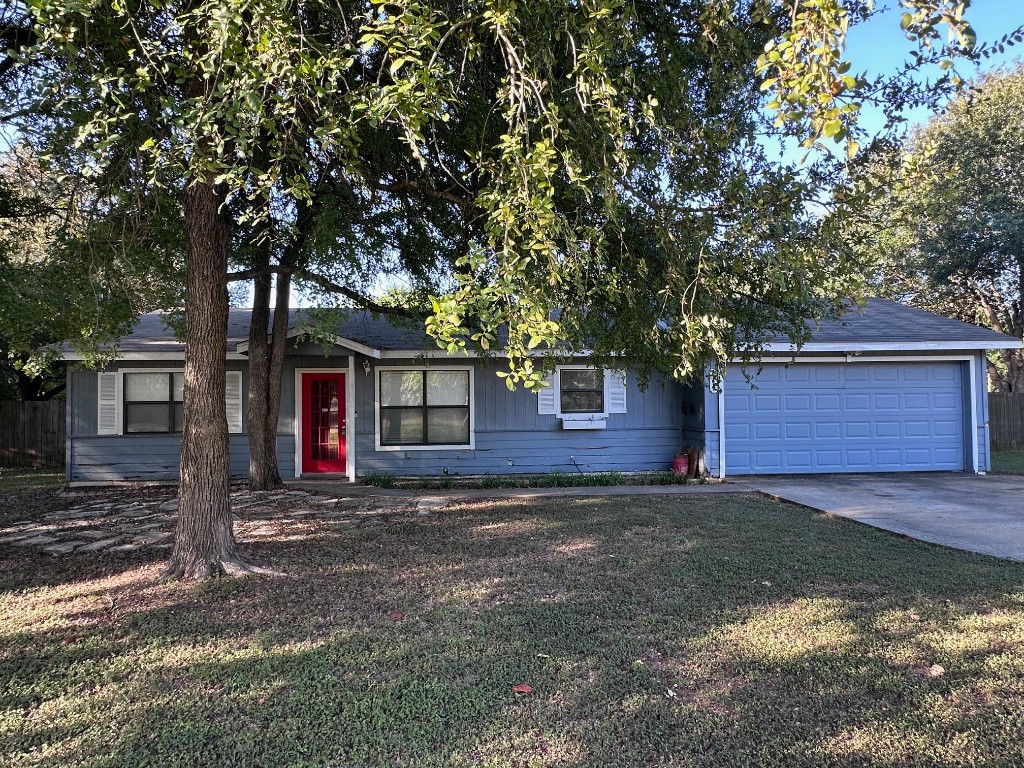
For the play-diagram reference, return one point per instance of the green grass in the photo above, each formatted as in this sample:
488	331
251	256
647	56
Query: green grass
1008	462
16	481
672	631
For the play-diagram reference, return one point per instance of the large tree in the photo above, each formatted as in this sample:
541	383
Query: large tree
616	177
951	238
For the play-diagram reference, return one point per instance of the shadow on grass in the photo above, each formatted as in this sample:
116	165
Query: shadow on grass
683	631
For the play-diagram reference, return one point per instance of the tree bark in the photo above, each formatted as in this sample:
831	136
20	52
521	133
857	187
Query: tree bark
204	542
263	471
266	363
278	340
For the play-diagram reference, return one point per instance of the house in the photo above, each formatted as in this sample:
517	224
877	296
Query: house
890	389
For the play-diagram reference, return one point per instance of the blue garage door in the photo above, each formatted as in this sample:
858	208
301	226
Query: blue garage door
845	417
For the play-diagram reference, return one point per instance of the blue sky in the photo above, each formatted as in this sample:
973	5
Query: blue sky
880	47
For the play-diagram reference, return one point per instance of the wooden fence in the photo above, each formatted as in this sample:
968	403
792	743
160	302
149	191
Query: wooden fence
32	434
1006	421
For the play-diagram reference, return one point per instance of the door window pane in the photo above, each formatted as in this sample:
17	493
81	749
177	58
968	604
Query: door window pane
447	388
146	387
401	426
401	388
448	426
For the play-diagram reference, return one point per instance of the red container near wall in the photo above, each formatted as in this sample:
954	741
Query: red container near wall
681	465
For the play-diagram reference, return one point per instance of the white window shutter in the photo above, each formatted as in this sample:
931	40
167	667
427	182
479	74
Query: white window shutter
108	421
616	391
546	397
233	401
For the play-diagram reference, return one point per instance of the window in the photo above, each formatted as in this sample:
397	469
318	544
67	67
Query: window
153	402
582	397
581	390
149	402
424	407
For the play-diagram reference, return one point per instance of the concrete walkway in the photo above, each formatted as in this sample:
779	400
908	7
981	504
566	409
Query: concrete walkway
973	512
343	487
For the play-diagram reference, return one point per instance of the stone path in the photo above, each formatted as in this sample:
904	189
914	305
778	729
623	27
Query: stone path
115	522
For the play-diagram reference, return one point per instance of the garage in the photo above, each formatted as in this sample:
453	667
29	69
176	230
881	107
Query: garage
884	388
809	417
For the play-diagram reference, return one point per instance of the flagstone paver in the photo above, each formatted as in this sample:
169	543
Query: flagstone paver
117	520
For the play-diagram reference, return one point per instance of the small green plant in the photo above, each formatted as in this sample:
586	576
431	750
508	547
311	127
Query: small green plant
379	479
491	481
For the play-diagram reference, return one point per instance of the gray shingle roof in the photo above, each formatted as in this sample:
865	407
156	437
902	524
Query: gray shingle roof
151	333
888	322
881	322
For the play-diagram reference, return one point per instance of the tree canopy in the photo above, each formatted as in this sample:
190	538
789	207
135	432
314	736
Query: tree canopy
951	239
584	173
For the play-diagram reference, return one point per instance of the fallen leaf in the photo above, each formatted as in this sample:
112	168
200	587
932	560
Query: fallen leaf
936	670
522	688
397	615
766	583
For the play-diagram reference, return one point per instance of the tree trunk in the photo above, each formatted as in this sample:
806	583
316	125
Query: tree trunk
279	338
204	543
263	472
266	363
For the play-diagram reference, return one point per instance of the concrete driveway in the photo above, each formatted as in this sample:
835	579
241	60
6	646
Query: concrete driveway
977	513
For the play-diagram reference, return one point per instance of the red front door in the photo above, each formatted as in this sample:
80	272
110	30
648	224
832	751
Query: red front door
323	422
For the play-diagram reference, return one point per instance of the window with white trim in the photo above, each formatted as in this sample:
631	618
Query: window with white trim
153	402
424	407
583	396
150	402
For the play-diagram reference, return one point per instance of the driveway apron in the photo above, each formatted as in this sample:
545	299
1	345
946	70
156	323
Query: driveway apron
978	513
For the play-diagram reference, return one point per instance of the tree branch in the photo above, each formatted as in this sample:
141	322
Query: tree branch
361	301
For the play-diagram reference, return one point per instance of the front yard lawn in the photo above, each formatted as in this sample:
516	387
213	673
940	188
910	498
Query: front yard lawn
17	481
676	631
1008	462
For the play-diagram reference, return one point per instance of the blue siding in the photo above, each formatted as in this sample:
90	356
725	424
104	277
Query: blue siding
155	457
511	437
93	457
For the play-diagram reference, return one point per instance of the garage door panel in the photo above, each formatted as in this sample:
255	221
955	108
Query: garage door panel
827	430
885	429
916	401
795	404
887	401
856	417
858	429
796	460
860	401
826	403
798	431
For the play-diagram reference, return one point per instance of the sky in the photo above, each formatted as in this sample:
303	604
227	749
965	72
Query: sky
879	45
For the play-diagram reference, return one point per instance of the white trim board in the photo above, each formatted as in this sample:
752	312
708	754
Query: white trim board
340	341
143	356
886	346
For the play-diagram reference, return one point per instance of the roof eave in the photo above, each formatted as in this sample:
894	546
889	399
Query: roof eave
893	346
